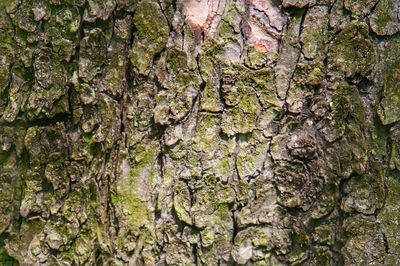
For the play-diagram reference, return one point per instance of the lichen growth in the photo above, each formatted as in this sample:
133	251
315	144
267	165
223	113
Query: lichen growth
152	32
384	20
387	111
352	52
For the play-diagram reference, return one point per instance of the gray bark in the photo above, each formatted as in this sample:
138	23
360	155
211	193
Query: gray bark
199	132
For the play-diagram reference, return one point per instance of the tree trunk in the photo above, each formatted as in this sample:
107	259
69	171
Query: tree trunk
199	132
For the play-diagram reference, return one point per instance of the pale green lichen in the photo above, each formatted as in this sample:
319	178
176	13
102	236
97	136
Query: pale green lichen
363	243
358	8
384	20
300	246
6	259
389	217
315	32
129	193
388	110
352	52
152	32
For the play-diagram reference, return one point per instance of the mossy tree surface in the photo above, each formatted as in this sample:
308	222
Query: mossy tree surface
199	132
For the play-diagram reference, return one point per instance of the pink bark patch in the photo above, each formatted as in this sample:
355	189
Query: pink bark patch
197	12
259	38
203	15
273	13
263	34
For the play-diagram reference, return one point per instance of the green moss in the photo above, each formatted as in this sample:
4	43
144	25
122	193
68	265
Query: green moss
6	29
341	105
300	246
235	121
322	256
128	191
206	198
145	156
315	32
210	100
249	103
6	259
209	180
384	20
94	47
255	58
364	244
212	49
152	32
388	110
184	80
176	59
242	189
223	213
245	163
310	73
389	216
211	55
182	204
262	82
5	3
207	237
151	25
207	137
349	118
359	225
359	8
225	166
227	31
324	234
352	52
249	87
133	208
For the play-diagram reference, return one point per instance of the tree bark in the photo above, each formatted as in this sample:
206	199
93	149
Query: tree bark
199	132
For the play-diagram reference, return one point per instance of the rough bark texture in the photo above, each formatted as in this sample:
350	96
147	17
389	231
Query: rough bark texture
199	132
